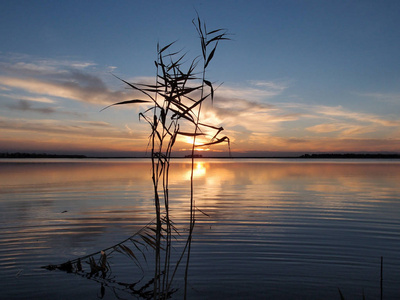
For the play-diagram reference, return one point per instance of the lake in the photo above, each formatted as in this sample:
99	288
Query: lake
265	228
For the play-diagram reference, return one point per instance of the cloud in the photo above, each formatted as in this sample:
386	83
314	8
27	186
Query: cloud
29	69
66	136
26	106
27	98
386	97
24	64
341	113
78	86
324	128
94	123
246	114
253	91
298	127
342	122
68	80
270	85
64	130
81	65
345	129
247	104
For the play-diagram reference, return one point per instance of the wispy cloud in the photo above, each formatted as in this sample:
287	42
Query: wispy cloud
385	97
294	126
247	115
66	130
27	106
345	129
270	85
253	90
27	98
341	123
68	80
340	112
239	105
77	86
20	63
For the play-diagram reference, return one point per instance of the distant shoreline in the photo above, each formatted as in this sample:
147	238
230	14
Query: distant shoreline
39	155
350	155
304	156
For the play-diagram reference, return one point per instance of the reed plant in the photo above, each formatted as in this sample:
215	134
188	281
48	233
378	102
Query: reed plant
177	96
175	101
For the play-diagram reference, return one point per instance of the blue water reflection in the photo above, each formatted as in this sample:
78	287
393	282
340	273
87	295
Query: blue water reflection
282	229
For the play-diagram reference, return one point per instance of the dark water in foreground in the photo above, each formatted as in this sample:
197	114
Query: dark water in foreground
274	229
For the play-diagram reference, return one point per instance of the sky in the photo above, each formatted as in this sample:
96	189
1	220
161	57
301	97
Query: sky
297	76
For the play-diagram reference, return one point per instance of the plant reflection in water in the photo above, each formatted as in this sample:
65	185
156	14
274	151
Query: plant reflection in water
175	115
99	266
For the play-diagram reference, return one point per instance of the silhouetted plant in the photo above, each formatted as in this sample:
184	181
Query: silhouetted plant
176	99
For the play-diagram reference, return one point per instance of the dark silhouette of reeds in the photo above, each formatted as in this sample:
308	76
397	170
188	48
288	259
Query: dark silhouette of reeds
175	100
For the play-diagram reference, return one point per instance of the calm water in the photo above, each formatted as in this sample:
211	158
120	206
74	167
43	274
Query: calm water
274	229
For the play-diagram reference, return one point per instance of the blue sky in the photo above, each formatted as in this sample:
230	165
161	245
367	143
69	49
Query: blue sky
298	76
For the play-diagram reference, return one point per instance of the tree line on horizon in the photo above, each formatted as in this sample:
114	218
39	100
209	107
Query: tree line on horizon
39	155
351	155
313	155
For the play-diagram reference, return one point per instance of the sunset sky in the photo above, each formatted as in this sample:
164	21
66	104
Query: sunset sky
297	76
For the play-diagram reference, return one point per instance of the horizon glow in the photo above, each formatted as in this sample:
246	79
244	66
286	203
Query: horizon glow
298	77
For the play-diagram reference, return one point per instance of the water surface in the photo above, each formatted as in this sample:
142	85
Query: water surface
271	229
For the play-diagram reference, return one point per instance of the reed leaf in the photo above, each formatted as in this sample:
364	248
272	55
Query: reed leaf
140	250
175	64
166	47
341	295
173	139
218	141
218	38
211	87
191	134
190	109
127	102
201	35
149	242
128	251
186	116
211	126
202	212
210	56
79	265
135	87
103	259
215	31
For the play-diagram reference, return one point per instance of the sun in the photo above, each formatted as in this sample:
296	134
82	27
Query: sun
199	141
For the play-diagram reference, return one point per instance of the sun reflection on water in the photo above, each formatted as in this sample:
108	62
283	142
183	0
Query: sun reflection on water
200	169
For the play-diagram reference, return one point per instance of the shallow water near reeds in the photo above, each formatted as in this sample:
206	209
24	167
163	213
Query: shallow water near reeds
265	229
